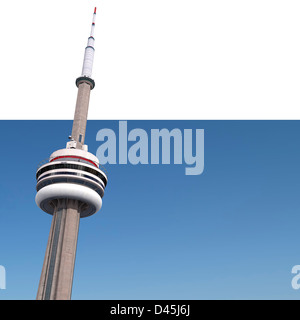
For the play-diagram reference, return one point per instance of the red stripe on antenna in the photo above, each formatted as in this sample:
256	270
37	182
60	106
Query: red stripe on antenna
95	9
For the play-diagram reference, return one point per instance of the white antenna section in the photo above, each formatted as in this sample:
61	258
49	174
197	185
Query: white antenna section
89	52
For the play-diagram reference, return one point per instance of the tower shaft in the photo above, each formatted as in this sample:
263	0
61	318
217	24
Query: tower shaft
58	268
81	113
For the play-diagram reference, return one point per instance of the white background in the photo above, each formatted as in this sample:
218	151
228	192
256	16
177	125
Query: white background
154	59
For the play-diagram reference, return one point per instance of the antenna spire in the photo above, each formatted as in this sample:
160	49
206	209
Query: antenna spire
89	51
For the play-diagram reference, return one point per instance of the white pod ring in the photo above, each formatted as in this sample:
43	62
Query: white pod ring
69	191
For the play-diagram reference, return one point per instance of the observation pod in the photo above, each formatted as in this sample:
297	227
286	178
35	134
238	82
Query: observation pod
71	174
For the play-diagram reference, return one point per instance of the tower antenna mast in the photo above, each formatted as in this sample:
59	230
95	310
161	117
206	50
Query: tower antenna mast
85	84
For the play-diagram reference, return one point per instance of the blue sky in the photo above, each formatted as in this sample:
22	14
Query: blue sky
230	233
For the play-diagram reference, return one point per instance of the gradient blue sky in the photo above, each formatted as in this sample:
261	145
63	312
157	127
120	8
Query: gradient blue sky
230	233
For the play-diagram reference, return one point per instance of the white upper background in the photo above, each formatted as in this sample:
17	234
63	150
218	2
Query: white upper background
154	59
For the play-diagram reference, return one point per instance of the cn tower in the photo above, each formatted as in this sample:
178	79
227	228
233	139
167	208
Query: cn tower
69	186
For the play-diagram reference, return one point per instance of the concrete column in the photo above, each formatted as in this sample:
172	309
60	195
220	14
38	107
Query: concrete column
81	113
57	273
